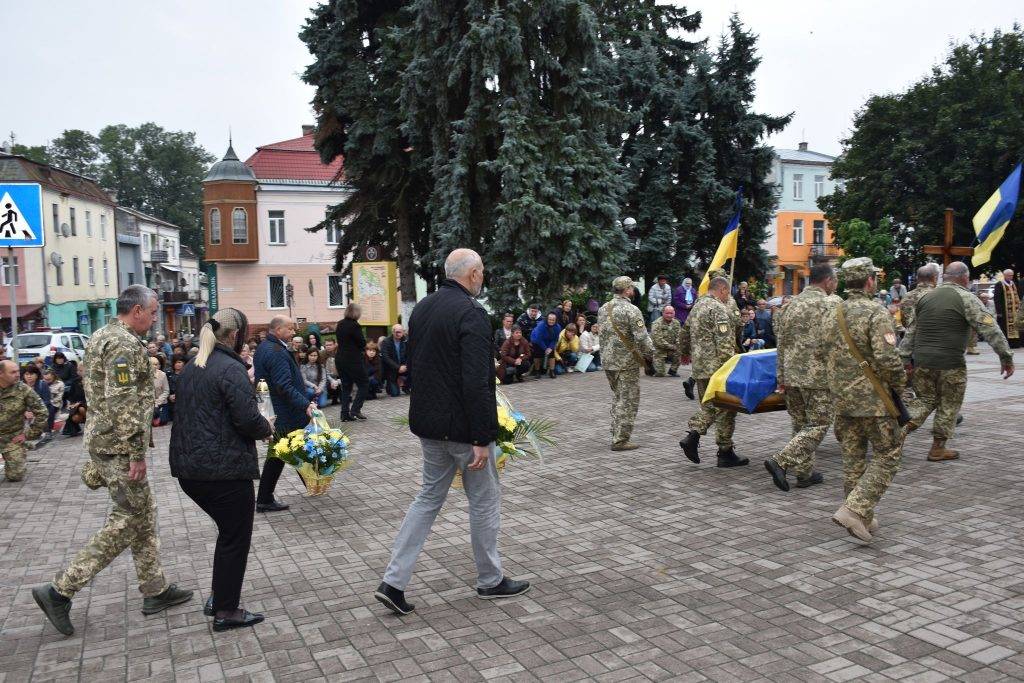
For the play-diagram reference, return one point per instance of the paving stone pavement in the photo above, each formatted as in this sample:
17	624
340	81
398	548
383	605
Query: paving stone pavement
645	567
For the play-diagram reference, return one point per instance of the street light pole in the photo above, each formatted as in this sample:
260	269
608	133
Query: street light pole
14	304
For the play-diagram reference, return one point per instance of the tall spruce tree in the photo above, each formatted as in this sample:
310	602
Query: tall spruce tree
509	98
360	53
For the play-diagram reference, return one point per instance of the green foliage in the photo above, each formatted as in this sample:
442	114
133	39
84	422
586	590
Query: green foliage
36	153
76	151
947	141
859	238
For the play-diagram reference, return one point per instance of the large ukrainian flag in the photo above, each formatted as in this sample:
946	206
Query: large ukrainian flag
727	247
994	215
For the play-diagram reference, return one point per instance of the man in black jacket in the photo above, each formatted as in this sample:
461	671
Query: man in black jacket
454	412
273	361
394	357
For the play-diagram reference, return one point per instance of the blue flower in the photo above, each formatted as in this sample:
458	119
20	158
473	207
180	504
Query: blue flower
517	416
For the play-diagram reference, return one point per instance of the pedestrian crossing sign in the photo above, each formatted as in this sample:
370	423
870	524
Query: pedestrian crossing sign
21	215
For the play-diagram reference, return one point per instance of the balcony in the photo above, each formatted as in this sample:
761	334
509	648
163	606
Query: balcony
824	252
158	256
175	297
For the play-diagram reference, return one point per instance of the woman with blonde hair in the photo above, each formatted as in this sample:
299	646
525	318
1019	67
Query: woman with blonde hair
213	455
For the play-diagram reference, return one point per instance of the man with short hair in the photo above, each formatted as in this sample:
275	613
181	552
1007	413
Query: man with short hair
709	340
898	291
936	344
665	337
764	323
119	390
18	402
275	363
529	320
454	412
927	278
861	413
161	342
624	346
802	359
503	333
658	297
394	357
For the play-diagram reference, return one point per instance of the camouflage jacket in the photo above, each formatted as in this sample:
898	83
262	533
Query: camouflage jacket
873	333
908	303
708	338
802	344
977	317
619	314
15	400
665	335
119	391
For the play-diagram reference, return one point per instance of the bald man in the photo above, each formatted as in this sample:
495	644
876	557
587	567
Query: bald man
18	403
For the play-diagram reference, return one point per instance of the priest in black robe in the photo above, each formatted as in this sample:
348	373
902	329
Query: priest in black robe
1006	297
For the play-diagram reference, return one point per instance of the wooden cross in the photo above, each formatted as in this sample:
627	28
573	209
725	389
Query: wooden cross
947	249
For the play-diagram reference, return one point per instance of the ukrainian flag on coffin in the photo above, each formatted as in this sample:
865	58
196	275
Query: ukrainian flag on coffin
750	377
992	218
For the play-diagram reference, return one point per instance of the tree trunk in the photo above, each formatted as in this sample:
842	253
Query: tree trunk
406	264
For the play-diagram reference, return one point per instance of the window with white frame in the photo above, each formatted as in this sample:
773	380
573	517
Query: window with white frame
818	232
106	272
798	231
819	186
798	186
88	223
74	225
103	226
9	271
333	232
92	271
275	291
75	277
239	226
214	226
276	227
335	291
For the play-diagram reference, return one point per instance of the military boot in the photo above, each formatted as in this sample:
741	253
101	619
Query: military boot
727	458
688	387
624	446
873	526
939	452
810	480
777	472
852	522
171	596
55	606
689	445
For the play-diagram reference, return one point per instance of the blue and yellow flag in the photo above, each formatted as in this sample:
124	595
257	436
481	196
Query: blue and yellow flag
994	215
727	247
750	377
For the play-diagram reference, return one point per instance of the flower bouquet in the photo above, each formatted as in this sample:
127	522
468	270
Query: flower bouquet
517	437
317	453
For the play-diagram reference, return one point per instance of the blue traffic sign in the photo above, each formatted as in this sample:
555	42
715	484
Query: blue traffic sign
21	215
187	310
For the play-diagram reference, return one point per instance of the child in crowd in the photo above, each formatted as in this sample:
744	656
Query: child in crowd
373	369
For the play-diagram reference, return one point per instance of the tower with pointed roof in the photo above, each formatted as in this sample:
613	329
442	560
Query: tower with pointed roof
229	211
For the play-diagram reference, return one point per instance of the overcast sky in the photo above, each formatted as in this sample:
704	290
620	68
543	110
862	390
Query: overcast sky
204	66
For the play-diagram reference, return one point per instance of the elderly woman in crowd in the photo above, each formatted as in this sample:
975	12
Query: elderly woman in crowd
161	390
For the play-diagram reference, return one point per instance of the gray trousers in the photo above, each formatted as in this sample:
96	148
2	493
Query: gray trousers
440	460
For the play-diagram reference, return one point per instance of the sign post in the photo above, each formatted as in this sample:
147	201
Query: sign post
21	225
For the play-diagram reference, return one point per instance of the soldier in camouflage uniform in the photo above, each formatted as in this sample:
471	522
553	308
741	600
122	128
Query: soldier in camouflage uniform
927	278
619	319
119	390
860	415
708	340
734	312
801	374
936	344
16	400
665	336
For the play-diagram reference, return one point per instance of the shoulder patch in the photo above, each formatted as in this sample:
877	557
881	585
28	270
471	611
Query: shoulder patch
640	324
723	328
122	372
988	320
890	338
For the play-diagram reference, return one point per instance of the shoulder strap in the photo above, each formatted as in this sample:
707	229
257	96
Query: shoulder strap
876	383
630	346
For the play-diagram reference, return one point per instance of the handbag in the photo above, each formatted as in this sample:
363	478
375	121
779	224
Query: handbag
891	400
648	364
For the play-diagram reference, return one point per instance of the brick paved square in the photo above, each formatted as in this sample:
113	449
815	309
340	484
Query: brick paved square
645	567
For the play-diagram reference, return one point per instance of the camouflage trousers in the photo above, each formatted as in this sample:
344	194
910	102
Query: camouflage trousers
941	391
663	358
863	482
130	524
625	386
811	413
724	420
14	458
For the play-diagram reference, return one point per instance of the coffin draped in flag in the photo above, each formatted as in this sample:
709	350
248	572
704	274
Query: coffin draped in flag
747	379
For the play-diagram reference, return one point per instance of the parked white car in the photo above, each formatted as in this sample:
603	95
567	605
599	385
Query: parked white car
45	343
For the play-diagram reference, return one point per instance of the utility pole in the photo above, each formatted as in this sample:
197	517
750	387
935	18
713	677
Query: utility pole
14	303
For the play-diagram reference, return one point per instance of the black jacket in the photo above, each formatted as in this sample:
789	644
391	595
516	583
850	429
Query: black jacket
216	421
390	362
275	363
451	360
351	346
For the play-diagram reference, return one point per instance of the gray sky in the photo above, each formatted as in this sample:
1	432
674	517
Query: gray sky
204	66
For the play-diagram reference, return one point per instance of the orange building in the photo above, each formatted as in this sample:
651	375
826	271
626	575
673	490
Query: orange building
801	237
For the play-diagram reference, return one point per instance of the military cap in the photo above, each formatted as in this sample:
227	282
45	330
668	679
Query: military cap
718	272
858	268
622	283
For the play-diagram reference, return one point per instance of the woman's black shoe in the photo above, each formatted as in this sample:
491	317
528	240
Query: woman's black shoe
359	416
247	619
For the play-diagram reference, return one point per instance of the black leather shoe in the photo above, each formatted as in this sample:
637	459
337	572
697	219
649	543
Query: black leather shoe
673	373
171	596
778	474
814	478
55	606
959	419
208	607
689	446
247	619
359	416
345	417
688	388
393	599
273	506
727	458
506	588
